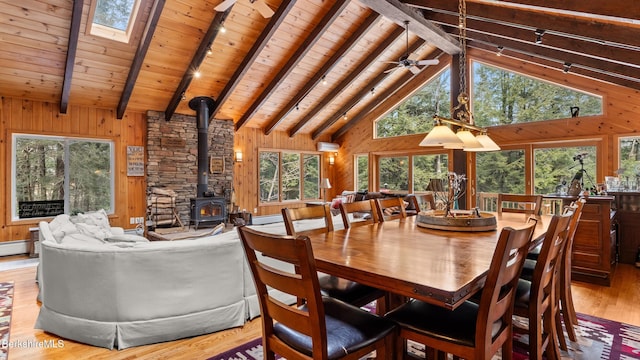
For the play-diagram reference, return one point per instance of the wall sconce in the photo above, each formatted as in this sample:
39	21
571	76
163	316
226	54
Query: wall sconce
238	156
332	160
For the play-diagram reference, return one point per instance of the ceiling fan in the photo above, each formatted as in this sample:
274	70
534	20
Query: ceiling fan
409	61
259	5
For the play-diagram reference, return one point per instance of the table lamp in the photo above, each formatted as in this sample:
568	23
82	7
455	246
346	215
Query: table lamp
325	184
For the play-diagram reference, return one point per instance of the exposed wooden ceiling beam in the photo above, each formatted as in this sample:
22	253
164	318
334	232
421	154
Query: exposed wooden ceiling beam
304	48
138	59
368	24
397	12
363	93
253	54
74	35
602	32
354	74
198	58
610	8
624	56
556	65
380	99
604	66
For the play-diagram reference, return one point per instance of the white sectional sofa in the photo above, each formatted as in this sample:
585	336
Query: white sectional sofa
118	291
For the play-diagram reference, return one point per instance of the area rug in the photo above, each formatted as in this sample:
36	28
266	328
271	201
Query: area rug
598	339
6	304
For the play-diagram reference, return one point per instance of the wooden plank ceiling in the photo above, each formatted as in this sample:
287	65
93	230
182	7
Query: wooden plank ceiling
314	67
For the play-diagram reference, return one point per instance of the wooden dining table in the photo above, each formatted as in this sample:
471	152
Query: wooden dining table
440	267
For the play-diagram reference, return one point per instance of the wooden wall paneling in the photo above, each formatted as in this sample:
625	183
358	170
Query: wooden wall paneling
4	195
29	116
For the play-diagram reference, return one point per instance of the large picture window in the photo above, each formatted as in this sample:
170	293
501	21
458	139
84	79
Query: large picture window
288	176
501	97
54	175
394	173
427	167
629	166
555	168
414	115
362	172
499	172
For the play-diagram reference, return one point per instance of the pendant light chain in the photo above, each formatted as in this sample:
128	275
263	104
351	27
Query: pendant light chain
462	26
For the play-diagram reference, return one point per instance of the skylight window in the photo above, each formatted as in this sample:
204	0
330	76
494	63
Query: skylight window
114	19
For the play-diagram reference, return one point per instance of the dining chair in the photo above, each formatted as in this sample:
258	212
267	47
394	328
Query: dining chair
293	216
518	203
359	213
424	202
472	330
536	299
345	290
321	328
565	296
390	208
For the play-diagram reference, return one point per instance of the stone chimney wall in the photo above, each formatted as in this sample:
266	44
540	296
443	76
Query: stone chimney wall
172	157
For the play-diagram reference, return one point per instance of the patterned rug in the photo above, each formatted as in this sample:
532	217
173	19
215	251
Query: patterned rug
598	339
6	304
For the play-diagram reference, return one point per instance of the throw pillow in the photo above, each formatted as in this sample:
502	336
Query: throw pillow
98	218
63	230
126	238
58	221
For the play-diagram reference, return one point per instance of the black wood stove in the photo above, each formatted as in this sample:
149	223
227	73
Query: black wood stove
206	209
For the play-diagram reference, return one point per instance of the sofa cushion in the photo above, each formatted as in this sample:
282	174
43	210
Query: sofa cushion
126	238
95	231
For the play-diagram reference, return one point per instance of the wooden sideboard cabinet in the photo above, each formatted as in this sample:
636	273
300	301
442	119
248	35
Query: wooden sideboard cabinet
627	205
595	242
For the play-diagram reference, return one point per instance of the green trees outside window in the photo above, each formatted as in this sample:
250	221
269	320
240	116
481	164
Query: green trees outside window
75	172
556	166
288	176
415	115
500	97
629	166
362	172
427	167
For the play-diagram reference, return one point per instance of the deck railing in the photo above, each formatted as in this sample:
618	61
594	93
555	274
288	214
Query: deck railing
489	202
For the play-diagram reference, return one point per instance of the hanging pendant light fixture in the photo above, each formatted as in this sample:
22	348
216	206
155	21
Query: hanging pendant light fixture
441	134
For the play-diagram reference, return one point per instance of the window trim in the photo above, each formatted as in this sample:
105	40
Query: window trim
110	33
67	140
302	153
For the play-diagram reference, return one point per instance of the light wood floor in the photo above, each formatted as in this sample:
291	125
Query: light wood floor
618	302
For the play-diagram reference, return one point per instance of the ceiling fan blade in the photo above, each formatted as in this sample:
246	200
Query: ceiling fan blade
223	6
391	70
263	8
428	62
414	69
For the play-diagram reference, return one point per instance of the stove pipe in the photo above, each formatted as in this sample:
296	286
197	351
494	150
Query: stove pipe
203	105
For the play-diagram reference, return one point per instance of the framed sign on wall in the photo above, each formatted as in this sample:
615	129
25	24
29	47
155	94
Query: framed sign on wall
135	160
216	164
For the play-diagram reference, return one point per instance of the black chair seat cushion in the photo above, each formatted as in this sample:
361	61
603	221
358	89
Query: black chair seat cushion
348	330
457	326
523	293
348	291
527	269
534	253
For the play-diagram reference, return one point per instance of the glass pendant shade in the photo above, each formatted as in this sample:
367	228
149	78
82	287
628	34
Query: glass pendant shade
440	135
487	144
468	141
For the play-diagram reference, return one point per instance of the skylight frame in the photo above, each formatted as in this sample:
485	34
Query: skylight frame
112	33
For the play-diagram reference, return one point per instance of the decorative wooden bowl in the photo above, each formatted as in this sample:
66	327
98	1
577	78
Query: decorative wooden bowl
464	220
